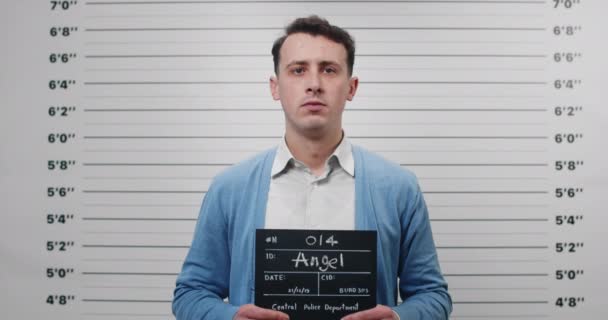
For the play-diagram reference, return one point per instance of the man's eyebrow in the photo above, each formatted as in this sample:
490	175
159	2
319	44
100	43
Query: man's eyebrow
304	62
329	62
297	62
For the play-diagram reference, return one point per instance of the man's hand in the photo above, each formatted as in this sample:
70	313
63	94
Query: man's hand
380	312
252	312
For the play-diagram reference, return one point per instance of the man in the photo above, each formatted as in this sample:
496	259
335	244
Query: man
314	179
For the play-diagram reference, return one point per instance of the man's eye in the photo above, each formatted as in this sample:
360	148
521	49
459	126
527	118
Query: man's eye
330	70
297	70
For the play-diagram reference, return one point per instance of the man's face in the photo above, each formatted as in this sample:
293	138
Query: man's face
313	84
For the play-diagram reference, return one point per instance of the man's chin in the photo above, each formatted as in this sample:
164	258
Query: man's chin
315	130
318	124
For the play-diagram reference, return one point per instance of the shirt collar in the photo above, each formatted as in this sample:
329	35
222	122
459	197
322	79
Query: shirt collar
284	159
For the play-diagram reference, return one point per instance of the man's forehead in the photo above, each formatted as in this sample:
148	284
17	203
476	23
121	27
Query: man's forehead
303	47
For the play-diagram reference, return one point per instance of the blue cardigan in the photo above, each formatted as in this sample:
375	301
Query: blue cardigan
220	262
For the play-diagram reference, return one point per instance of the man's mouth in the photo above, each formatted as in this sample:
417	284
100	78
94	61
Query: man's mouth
314	105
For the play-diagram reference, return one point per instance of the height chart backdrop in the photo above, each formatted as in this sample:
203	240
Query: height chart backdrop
116	115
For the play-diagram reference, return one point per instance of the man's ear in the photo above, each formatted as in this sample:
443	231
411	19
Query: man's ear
353	84
274	88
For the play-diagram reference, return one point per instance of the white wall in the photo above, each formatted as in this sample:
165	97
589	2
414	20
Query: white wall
461	92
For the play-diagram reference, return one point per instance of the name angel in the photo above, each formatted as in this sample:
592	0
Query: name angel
322	263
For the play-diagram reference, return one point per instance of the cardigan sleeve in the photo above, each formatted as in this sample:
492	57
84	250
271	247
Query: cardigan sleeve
204	280
421	284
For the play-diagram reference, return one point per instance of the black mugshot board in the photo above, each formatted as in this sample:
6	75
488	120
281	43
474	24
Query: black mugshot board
315	274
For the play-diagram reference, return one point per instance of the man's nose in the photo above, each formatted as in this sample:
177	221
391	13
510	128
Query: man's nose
314	83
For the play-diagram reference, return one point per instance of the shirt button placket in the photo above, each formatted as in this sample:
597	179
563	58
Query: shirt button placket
309	195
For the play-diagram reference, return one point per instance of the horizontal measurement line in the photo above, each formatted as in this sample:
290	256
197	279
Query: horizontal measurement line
138	219
92	164
475	164
137	232
138	205
250	28
262	82
480	178
266	14
492	247
501	316
132	273
135	150
376	96
128	56
194	219
278	109
118	164
127	314
311	1
488	206
281	123
181	137
218	123
501	302
437	69
204	191
352	137
171	82
129	287
147	205
133	246
351	123
494	260
126	300
496	274
194	150
486	192
176	109
210	178
498	288
97	56
489	220
132	260
489	233
152	178
144	191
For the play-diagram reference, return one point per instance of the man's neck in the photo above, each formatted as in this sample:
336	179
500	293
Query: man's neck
313	152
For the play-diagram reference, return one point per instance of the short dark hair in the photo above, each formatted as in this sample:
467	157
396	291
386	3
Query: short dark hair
315	26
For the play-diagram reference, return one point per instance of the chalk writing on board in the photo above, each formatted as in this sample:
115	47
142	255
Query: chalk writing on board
315	274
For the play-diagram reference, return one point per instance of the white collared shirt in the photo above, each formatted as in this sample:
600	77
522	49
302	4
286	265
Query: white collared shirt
297	199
